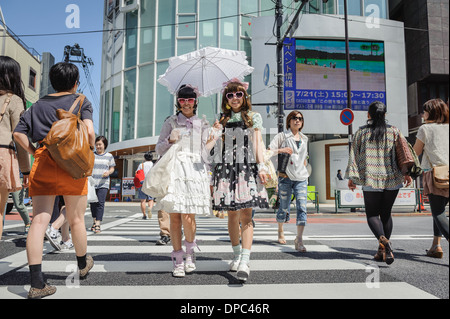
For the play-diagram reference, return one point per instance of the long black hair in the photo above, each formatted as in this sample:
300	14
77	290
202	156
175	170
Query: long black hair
377	122
11	79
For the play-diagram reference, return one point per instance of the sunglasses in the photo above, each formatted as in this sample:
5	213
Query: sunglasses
237	95
299	118
190	100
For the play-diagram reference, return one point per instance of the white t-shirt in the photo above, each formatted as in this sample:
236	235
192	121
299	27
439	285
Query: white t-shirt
296	169
436	140
147	167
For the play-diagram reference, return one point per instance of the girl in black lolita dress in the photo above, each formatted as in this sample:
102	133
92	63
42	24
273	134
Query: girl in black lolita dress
239	175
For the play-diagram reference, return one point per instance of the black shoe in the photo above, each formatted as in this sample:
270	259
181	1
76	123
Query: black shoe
163	241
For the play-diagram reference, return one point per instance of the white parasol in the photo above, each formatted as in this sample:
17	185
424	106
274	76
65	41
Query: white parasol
207	69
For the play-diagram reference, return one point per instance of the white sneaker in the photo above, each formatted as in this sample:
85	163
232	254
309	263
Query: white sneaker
178	264
243	271
53	238
235	263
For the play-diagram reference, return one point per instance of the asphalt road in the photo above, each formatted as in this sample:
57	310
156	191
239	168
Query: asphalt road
340	253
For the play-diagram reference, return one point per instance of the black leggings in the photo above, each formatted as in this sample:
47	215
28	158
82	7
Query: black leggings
378	207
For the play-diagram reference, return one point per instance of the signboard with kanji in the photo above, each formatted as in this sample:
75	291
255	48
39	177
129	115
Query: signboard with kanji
315	75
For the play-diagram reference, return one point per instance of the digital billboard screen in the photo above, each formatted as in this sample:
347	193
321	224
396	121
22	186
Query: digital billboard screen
315	76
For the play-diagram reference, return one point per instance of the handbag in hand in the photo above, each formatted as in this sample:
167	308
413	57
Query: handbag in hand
68	142
405	160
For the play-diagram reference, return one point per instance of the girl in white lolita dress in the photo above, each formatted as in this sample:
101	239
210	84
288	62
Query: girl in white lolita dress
189	188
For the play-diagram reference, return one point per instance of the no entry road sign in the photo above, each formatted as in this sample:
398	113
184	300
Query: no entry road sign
347	117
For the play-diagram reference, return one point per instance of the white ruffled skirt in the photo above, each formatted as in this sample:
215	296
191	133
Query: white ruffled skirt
189	188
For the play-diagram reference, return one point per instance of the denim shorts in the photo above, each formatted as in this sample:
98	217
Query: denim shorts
287	187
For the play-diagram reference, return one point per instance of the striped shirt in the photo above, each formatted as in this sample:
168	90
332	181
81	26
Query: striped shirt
101	165
373	164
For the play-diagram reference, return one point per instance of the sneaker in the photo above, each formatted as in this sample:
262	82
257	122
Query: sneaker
163	241
243	271
235	263
190	256
178	263
53	237
66	245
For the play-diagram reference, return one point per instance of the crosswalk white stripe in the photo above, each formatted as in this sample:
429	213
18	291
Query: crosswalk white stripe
387	290
204	249
206	265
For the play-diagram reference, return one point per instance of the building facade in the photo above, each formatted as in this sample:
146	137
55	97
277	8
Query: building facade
427	52
143	34
30	60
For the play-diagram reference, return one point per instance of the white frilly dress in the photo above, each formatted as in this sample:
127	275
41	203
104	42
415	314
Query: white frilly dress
189	187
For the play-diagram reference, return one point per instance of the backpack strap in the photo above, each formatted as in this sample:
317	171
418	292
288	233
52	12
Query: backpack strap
5	105
80	99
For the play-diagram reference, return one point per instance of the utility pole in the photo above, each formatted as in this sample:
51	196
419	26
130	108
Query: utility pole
349	88
280	86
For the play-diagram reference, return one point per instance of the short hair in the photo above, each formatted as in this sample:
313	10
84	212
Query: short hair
290	116
148	156
64	76
103	139
437	111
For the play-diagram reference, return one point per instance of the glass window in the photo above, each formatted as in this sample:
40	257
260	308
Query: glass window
329	7
354	7
145	103
314	6
375	8
107	110
229	34
131	40
115	123
166	31
208	106
267	8
186	46
129	105
148	20
187	25
187	6
164	100
249	7
208	29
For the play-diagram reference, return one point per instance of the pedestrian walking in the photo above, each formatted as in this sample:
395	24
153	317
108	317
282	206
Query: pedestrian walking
294	178
19	203
12	105
372	165
433	142
147	202
47	179
103	167
239	178
188	193
58	232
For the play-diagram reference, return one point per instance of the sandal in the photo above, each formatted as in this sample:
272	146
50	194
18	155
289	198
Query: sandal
281	239
435	252
299	246
93	227
97	229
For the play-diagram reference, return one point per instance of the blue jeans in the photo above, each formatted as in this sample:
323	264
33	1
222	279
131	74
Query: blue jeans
285	189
